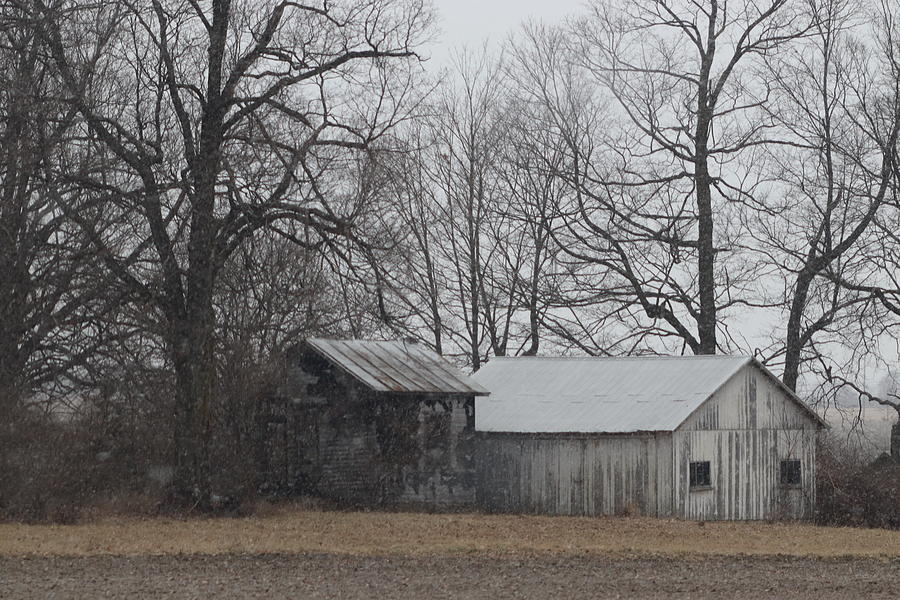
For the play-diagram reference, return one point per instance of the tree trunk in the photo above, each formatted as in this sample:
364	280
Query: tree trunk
195	389
195	338
895	440
706	320
793	345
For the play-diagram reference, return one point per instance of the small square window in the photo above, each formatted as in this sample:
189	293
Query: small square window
790	472
700	474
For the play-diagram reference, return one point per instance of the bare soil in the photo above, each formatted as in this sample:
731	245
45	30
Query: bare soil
302	553
276	576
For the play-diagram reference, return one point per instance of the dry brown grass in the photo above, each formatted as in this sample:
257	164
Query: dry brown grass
413	534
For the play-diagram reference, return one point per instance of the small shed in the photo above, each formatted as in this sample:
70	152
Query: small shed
695	437
369	423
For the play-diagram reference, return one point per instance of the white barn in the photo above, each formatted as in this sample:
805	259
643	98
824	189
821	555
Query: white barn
695	437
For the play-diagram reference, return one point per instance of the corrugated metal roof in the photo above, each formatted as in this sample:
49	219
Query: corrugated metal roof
597	395
396	366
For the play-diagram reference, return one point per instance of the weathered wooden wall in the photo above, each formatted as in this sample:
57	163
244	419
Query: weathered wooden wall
575	474
334	438
346	463
444	470
416	452
745	430
745	466
312	445
749	400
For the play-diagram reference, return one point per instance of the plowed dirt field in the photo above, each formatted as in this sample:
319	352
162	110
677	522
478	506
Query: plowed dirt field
331	554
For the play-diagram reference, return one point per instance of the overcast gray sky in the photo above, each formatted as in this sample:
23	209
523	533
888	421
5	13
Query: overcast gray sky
469	22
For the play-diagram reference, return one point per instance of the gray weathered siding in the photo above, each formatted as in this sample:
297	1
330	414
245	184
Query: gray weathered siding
745	430
327	435
749	400
347	466
443	471
419	455
745	467
575	475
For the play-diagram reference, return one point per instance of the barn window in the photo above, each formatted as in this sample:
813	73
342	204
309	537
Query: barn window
700	474
469	407
790	472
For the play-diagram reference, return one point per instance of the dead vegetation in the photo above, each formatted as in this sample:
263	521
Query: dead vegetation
309	531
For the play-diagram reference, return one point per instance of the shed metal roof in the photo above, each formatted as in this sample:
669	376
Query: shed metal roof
600	395
396	366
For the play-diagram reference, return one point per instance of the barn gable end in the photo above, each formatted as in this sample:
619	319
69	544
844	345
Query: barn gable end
752	398
744	431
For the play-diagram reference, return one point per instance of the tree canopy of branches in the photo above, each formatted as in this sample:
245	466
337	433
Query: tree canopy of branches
656	211
218	122
839	116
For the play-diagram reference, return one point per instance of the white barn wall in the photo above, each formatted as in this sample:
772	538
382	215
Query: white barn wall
745	474
732	406
745	430
576	475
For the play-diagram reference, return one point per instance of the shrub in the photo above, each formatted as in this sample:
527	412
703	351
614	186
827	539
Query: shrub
854	490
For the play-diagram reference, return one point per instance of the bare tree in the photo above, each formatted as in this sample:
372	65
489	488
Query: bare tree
417	275
543	128
659	213
223	121
840	117
50	292
468	136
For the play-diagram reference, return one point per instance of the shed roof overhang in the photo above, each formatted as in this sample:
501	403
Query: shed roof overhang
396	367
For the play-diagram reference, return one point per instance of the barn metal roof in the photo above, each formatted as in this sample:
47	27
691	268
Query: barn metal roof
599	395
396	366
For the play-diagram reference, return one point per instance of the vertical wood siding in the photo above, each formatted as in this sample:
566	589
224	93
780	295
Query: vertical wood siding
745	469
745	430
340	440
575	475
749	400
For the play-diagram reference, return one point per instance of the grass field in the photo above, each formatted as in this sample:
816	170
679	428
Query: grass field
299	531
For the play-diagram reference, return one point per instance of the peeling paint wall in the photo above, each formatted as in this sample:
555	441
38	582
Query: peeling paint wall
749	400
745	430
745	471
443	472
575	475
330	436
